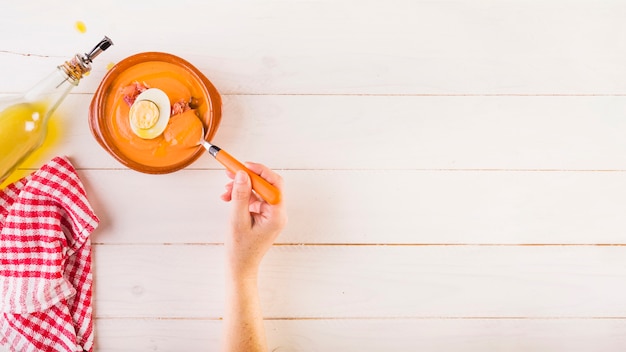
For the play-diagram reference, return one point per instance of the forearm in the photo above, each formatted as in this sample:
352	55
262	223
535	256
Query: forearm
243	321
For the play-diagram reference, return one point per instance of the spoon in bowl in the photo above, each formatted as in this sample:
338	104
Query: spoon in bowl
264	189
184	130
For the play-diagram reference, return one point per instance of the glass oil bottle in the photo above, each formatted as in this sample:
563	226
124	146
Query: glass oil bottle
24	119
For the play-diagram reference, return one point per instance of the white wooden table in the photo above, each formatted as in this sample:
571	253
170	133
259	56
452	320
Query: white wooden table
456	170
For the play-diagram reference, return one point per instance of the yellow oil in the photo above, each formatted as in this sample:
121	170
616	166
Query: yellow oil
22	131
80	26
40	155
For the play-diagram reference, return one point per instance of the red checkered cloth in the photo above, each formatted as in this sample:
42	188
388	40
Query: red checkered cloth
45	262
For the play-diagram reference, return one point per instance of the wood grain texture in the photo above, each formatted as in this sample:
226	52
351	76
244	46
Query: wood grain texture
369	281
428	335
346	47
372	207
388	133
454	170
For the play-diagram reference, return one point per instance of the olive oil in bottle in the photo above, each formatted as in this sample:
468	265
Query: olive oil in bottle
24	119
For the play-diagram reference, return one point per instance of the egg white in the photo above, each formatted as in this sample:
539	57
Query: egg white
160	99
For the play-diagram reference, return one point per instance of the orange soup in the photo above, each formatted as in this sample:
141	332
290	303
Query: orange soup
181	136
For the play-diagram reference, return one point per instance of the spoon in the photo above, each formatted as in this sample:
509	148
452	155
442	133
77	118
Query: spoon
264	189
187	136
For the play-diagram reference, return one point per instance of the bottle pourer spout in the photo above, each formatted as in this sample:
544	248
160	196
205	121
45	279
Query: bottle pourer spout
104	44
80	65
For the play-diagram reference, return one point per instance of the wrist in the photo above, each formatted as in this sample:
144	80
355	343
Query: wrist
242	275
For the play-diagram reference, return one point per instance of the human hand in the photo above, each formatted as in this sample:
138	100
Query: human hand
254	224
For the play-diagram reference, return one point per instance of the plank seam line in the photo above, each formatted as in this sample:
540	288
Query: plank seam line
373	318
9	52
433	95
376	244
363	169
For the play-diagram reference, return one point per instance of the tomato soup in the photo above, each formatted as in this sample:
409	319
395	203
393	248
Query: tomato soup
177	146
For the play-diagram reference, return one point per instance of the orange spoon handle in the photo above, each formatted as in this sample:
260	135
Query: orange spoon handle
263	188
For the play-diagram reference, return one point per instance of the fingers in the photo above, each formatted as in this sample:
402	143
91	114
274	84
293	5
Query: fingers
266	173
230	174
240	197
261	170
226	196
229	190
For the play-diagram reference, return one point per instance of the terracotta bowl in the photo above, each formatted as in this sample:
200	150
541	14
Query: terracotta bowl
174	76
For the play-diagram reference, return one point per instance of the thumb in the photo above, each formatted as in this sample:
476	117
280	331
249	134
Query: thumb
240	195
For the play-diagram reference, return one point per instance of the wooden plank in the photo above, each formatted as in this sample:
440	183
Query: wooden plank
386	207
186	282
402	124
342	47
362	132
576	335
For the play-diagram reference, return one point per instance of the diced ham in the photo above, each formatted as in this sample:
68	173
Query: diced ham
180	107
131	91
183	106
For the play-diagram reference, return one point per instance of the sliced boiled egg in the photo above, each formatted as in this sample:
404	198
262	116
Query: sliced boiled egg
150	113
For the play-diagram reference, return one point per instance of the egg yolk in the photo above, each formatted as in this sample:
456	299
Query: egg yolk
144	114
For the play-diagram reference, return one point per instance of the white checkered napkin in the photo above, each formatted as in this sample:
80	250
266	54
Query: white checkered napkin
45	262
